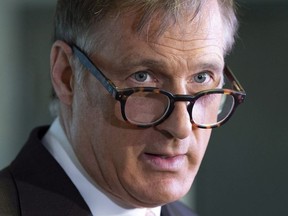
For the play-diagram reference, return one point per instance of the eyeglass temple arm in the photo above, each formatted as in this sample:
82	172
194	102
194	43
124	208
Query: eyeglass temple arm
233	79
110	87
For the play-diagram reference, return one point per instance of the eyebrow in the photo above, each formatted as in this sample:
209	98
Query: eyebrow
148	62
138	60
214	66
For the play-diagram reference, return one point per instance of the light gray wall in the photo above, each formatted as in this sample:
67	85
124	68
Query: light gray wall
25	32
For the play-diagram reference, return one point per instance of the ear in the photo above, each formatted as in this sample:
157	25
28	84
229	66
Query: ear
61	71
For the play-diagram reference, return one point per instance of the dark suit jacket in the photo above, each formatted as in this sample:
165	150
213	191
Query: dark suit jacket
35	185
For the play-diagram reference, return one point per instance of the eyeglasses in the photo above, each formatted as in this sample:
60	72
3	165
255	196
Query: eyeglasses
150	106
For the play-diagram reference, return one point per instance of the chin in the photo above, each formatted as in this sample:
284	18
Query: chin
162	193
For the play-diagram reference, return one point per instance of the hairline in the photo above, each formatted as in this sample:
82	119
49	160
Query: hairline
86	40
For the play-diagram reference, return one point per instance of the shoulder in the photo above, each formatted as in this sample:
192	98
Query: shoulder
8	194
9	177
176	208
34	181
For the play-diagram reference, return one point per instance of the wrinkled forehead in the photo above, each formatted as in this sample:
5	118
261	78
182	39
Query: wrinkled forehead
182	23
156	22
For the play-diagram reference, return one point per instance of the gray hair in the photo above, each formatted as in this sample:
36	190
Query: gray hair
74	18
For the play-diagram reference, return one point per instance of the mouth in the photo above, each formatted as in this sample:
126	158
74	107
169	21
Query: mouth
163	162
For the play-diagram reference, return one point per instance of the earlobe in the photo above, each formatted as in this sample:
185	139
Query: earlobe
61	71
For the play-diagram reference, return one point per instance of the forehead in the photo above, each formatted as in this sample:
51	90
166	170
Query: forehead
191	39
184	27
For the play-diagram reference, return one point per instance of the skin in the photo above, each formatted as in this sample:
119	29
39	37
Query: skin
125	161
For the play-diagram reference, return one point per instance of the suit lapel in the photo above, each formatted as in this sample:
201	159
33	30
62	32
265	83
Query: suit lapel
43	186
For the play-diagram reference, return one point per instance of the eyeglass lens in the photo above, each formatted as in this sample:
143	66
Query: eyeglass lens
212	109
144	108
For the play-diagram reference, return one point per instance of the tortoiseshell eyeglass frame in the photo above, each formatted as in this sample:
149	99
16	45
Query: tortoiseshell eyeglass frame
238	93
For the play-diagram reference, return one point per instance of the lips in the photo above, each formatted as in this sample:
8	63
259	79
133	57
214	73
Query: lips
159	155
164	162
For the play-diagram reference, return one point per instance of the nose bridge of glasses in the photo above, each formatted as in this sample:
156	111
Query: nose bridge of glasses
181	112
187	99
183	98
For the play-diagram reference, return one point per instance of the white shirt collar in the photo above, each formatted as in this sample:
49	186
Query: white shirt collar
57	144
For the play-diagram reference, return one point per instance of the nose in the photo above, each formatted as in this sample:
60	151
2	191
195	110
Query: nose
178	124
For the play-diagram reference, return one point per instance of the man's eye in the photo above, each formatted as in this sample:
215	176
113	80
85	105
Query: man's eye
202	77
141	76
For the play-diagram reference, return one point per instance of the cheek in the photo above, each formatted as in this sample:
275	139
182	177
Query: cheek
117	156
202	137
106	109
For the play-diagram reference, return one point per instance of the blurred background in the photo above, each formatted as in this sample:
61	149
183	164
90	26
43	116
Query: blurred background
245	170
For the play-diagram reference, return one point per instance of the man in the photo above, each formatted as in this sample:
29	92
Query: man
139	85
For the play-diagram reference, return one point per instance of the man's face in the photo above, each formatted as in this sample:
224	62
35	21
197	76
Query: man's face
152	166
